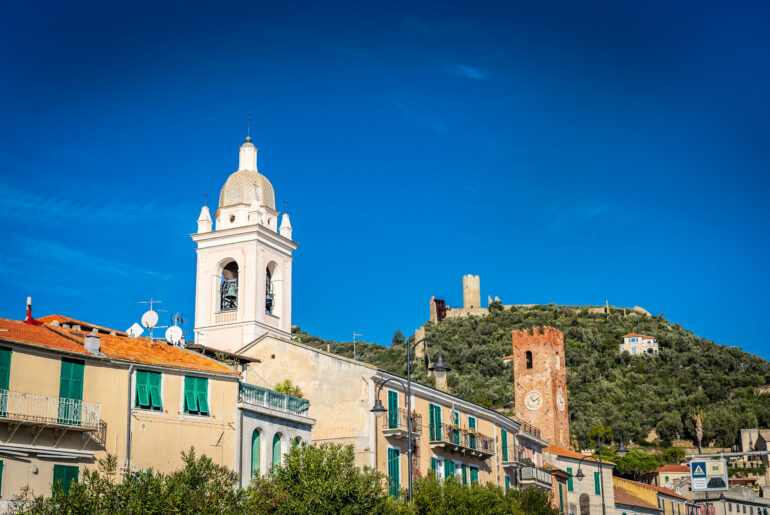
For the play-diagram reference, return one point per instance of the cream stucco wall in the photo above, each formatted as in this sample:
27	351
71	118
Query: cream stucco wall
157	437
587	485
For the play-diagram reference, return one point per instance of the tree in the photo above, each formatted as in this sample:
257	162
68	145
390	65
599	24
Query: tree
635	464
398	338
697	418
672	456
288	388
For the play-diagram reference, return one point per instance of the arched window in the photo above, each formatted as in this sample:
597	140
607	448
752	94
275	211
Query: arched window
296	441
529	359
228	288
276	450
255	455
273	289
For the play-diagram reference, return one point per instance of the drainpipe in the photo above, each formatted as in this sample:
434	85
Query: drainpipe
128	419
240	446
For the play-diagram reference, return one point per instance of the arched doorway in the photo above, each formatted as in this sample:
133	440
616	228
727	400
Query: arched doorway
276	450
255	453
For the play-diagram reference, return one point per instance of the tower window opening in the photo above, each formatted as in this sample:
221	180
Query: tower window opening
529	359
228	289
269	293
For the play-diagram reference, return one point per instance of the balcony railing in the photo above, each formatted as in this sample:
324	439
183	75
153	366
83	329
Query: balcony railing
512	455
462	441
529	428
395	423
535	476
35	408
272	399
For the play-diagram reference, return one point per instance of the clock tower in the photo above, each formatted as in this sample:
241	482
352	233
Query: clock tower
540	382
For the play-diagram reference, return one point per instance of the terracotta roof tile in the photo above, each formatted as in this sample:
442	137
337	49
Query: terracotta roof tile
627	498
138	350
659	489
631	335
85	325
673	468
561	451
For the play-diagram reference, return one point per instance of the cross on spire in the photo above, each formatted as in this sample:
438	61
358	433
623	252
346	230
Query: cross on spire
205	197
248	125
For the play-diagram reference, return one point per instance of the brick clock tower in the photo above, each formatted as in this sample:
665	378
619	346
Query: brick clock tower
540	382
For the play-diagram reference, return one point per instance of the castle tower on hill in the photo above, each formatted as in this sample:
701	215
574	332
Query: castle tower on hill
243	285
471	291
540	382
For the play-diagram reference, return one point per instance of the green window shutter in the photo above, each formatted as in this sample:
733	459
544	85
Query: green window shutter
597	483
70	391
276	450
5	368
504	440
142	390
155	399
190	399
464	471
474	475
569	481
457	418
561	499
64	379
507	482
433	464
448	469
472	422
255	448
394	472
438	423
2	466
472	438
432	419
65	474
392	409
202	394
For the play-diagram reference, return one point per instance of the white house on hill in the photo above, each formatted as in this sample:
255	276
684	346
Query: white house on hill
634	343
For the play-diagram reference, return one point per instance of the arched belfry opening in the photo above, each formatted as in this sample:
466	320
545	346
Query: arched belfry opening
529	359
273	289
228	288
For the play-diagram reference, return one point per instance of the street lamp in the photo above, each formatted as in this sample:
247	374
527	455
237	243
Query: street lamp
621	451
379	410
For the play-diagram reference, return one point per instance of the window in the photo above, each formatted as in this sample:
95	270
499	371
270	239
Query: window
276	450
507	483
504	441
569	481
255	453
456	432
472	436
196	395
273	283
529	359
148	390
228	288
65	474
597	483
666	479
730	507
2	465
394	471
5	378
392	409
561	498
464	471
474	475
435	422
449	469
71	392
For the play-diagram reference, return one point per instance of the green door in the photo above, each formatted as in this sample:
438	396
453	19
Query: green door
276	450
5	379
464	470
474	475
255	454
456	432
472	437
392	409
394	472
71	392
504	440
449	469
435	423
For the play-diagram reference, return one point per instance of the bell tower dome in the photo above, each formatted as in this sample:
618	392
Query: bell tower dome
243	281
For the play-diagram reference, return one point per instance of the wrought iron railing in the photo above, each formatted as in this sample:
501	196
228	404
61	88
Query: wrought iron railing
397	420
272	399
529	428
46	409
512	453
454	435
535	474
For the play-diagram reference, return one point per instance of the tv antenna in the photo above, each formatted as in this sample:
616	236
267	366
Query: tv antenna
355	354
174	334
150	318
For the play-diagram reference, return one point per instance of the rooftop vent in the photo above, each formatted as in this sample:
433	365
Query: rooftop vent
92	342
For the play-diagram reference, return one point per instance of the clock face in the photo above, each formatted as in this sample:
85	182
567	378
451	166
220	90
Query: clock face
533	400
560	400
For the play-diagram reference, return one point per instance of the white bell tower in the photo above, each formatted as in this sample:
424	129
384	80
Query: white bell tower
243	282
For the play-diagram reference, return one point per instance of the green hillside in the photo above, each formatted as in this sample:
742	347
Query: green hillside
630	394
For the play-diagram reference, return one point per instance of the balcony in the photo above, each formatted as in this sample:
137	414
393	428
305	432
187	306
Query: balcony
529	428
512	457
395	424
34	409
534	476
259	396
456	440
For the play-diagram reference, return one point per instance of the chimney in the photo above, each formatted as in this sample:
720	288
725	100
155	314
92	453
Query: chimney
29	320
92	342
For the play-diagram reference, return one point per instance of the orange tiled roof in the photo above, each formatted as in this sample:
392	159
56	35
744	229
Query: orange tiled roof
673	468
85	325
627	498
631	335
659	489
561	451
508	357
138	350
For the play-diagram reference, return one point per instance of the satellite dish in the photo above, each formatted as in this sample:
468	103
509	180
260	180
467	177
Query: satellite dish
150	319
135	331
174	334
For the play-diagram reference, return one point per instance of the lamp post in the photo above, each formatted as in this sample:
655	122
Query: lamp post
621	451
379	410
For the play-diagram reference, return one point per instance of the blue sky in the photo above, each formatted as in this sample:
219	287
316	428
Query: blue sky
566	152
